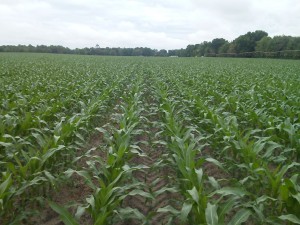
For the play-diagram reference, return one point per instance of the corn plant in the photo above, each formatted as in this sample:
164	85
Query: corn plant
109	191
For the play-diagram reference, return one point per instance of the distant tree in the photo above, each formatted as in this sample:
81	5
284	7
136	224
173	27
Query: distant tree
31	48
189	51
177	52
294	43
162	53
172	53
42	49
181	52
137	51
263	44
147	52
247	42
217	43
224	48
279	43
128	51
113	52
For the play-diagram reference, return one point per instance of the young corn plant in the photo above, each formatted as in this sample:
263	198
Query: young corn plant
110	174
253	155
36	171
185	156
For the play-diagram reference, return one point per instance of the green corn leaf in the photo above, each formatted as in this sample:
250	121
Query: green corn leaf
56	138
40	139
9	136
284	169
290	217
80	211
214	161
160	143
50	177
231	191
129	212
66	217
141	193
226	207
169	209
5	144
185	210
38	180
5	185
297	197
214	182
101	130
264	198
211	214
51	152
83	174
165	189
199	173
270	149
194	194
91	201
240	217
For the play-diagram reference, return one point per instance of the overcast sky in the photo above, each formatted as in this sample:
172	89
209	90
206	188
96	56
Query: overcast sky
159	24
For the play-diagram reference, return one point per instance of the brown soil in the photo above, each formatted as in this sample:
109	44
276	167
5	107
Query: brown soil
155	178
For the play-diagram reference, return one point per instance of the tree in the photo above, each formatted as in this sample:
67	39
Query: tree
162	53
263	44
279	43
224	48
217	43
247	42
189	51
294	43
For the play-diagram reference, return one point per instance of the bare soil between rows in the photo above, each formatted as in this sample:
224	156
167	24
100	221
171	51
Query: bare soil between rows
155	179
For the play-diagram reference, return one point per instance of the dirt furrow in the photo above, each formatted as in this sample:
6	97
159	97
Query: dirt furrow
155	177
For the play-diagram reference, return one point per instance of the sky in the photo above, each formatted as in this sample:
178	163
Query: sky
158	24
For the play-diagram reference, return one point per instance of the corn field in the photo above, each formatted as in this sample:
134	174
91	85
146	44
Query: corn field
135	140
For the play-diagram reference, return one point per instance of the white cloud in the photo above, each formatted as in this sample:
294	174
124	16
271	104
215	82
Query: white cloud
139	23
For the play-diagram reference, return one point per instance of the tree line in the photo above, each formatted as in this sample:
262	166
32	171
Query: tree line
58	49
251	44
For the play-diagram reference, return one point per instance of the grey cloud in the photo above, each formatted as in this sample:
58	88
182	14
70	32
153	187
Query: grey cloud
129	23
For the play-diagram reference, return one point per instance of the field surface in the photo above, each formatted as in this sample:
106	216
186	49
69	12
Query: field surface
136	140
